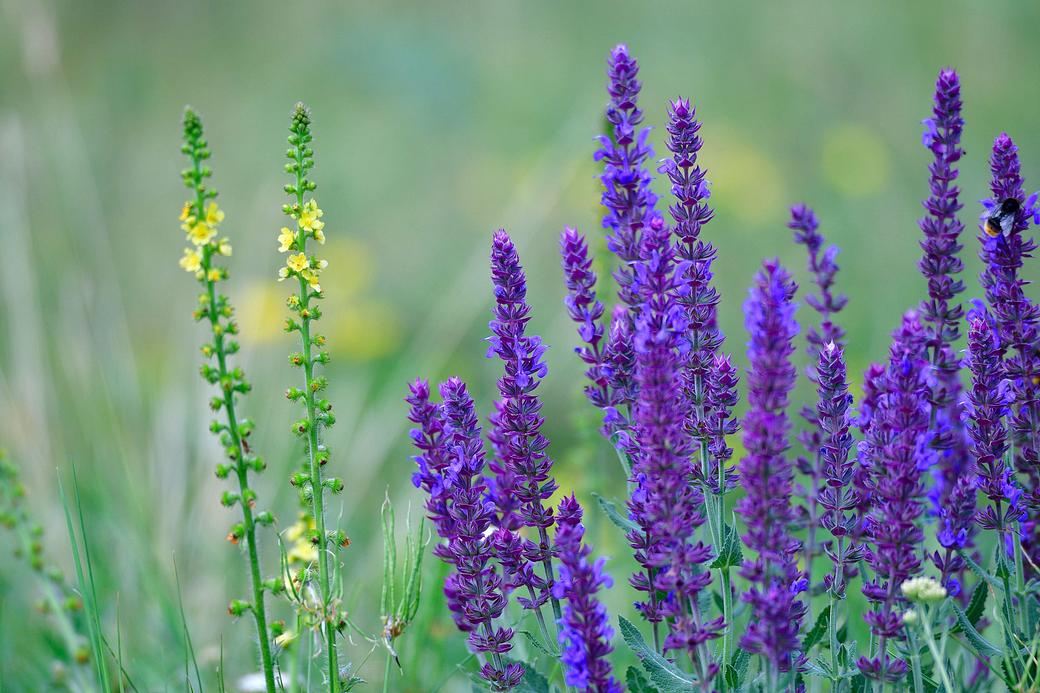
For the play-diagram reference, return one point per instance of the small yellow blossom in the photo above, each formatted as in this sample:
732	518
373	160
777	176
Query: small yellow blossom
319	236
224	247
293	300
186	211
201	233
301	550
286	239
310	217
297	262
283	273
191	262
214	214
311	277
214	275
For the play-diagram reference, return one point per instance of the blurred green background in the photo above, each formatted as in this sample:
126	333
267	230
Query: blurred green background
435	123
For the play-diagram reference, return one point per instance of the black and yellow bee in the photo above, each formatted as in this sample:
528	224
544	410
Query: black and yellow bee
1002	217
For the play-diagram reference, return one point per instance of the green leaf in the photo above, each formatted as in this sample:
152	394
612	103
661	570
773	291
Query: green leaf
976	606
611	509
626	464
981	645
859	684
664	675
818	630
729	554
389	559
820	669
739	662
538	644
1004	567
532	681
637	683
981	572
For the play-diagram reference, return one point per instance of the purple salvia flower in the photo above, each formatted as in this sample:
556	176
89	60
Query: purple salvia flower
523	446
585	631
432	460
766	473
940	263
700	299
823	268
665	505
502	481
477	587
626	180
1017	320
838	498
587	312
720	398
990	401
827	304
621	361
898	444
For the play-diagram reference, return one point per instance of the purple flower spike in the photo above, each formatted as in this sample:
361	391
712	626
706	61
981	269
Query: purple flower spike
626	180
823	267
587	312
720	398
766	473
989	403
477	586
827	304
665	505
897	445
700	299
432	460
839	497
585	631
523	447
940	263
1018	322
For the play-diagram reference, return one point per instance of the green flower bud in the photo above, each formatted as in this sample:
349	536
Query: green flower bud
237	607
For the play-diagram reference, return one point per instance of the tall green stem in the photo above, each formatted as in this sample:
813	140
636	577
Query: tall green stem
317	486
215	309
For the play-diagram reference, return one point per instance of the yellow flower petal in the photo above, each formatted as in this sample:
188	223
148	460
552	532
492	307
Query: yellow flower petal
286	239
214	215
297	262
224	248
191	262
186	211
201	233
214	275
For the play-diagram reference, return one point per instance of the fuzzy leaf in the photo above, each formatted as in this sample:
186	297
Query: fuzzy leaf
637	683
981	572
976	606
729	553
818	630
664	675
739	662
532	682
611	509
982	646
537	643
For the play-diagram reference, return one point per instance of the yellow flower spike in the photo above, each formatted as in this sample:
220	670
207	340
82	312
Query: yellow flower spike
191	262
201	233
224	247
286	239
214	214
186	211
297	262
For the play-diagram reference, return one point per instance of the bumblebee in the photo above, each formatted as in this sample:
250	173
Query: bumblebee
1002	217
